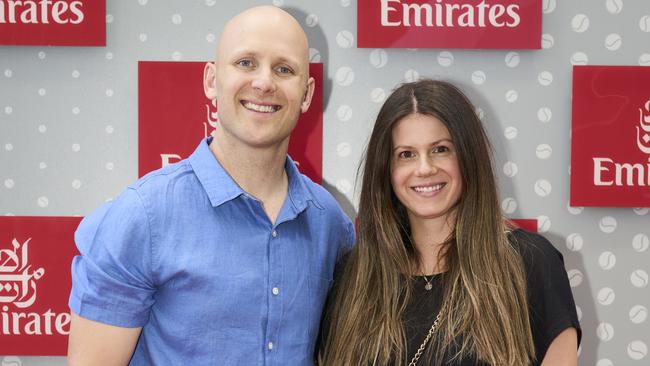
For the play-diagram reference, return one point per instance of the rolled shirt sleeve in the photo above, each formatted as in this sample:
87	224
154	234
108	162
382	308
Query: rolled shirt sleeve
112	278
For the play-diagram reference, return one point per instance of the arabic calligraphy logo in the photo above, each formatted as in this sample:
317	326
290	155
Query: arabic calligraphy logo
212	118
643	133
17	283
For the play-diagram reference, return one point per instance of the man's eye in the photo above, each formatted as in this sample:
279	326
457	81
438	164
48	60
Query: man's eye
284	70
245	63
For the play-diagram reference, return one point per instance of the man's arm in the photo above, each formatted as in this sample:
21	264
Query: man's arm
98	344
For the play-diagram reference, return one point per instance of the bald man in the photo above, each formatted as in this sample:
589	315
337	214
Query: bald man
224	258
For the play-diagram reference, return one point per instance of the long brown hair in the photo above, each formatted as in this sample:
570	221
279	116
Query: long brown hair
484	287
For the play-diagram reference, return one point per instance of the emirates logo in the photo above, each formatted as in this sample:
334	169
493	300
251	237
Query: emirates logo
643	129
41	12
17	279
212	118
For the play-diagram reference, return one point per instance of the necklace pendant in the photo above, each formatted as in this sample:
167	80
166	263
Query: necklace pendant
428	286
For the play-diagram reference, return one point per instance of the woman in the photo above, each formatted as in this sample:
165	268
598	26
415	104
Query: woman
438	276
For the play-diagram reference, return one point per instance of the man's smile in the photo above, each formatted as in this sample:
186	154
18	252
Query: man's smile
263	108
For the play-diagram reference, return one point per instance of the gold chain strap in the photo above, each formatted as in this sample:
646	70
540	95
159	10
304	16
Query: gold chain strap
432	330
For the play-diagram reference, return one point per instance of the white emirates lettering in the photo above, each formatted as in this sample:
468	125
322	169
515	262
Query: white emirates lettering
48	323
41	12
608	173
166	159
395	13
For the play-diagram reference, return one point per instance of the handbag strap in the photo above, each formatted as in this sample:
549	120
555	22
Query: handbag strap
432	330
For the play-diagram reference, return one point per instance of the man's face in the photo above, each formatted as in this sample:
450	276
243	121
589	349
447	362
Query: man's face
262	79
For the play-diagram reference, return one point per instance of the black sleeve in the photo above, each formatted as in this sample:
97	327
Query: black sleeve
552	309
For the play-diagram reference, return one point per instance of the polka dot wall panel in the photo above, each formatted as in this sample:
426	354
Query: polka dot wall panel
69	123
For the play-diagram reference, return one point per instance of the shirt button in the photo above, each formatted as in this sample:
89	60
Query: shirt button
270	345
274	233
275	291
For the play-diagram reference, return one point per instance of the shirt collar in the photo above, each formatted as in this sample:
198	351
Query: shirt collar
216	182
220	187
299	192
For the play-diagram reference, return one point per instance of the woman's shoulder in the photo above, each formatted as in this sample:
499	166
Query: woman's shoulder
528	243
536	251
552	307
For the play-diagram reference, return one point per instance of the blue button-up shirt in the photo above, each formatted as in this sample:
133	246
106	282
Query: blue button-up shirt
189	256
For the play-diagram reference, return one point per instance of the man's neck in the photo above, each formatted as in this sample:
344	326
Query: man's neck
258	171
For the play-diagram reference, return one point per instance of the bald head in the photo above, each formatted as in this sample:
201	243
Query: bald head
261	20
260	80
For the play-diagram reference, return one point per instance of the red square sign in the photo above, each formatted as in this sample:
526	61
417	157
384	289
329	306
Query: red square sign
610	136
53	22
174	115
35	258
526	224
503	24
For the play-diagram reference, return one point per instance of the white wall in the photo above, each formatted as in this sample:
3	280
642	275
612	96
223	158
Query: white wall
52	99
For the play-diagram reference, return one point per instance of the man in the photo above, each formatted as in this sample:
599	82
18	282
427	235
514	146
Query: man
226	257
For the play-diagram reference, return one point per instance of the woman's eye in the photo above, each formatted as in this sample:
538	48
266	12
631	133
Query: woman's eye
441	149
406	154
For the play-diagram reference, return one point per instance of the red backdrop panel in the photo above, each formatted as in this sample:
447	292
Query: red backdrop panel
174	115
610	136
526	224
35	258
53	23
501	24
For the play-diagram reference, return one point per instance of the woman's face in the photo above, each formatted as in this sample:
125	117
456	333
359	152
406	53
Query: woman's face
425	174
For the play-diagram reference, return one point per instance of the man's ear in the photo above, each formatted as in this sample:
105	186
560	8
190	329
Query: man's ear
309	93
210	80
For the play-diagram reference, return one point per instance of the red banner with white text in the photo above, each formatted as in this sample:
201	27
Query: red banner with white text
53	22
481	24
610	136
35	258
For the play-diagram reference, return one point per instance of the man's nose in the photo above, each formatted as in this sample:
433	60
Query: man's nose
263	81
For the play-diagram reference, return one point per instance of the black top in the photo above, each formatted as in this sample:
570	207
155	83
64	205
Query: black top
552	308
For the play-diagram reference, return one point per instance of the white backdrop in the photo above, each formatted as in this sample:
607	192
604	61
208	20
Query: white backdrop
68	129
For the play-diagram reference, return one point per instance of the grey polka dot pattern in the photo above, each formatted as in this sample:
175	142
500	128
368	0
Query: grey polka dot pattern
68	130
